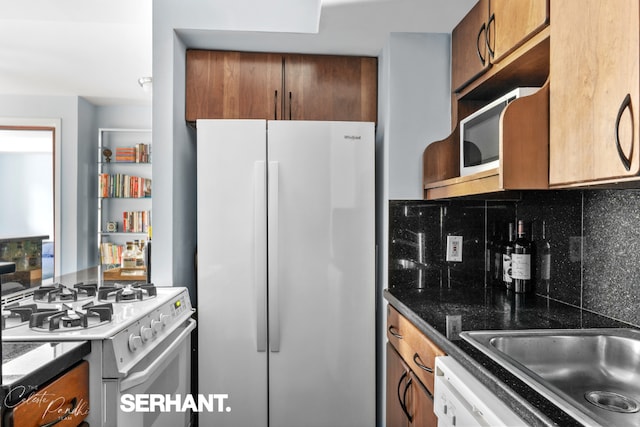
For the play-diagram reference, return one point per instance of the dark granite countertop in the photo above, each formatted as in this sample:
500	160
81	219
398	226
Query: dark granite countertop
26	366
494	309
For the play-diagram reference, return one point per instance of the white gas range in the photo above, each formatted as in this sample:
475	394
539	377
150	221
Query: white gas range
140	341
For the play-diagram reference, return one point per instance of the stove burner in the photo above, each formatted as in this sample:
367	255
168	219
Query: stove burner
127	293
60	293
19	314
88	288
93	315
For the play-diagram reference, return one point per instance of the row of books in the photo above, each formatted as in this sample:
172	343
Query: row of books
121	185
140	153
136	221
110	253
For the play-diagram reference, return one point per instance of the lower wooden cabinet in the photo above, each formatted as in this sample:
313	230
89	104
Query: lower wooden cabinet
63	403
409	403
410	363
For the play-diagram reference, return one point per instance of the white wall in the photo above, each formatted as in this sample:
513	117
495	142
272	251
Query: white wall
27	192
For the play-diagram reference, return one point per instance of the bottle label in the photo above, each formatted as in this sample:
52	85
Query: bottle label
506	268
521	266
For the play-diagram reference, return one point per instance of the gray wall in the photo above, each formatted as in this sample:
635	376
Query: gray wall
413	110
77	137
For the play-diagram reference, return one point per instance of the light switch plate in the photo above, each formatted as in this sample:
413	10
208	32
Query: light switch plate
454	248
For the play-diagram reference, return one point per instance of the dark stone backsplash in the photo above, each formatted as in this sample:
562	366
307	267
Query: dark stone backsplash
593	236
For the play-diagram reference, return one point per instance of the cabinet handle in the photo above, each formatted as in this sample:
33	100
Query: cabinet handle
396	333
482	29
487	37
418	361
275	106
404	400
402	405
74	404
626	161
289	105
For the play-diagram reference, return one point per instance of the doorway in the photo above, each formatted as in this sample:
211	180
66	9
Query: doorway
28	171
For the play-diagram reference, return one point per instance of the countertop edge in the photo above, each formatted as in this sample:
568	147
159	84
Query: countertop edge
518	403
42	375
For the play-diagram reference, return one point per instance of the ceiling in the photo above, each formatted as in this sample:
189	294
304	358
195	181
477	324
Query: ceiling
98	49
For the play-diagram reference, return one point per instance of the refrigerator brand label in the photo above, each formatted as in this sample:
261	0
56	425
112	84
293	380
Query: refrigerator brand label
353	137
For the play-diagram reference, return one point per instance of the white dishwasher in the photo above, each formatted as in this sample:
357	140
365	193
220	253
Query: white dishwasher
461	400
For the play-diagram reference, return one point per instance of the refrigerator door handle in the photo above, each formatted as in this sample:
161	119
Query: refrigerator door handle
272	219
260	252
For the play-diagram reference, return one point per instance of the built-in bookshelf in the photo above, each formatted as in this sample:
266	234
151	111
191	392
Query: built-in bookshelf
124	191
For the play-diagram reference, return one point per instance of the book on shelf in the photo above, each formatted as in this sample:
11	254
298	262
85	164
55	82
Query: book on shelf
110	253
140	153
136	221
121	185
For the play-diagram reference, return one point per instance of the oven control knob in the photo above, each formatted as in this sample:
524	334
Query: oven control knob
164	318
135	341
156	326
146	333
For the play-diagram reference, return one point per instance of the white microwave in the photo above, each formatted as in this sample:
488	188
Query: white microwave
480	134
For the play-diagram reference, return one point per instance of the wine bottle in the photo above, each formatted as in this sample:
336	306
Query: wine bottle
545	258
495	256
521	268
507	250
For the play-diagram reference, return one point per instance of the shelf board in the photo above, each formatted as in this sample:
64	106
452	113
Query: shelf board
477	183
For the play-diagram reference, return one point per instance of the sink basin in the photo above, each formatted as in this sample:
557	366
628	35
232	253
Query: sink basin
593	374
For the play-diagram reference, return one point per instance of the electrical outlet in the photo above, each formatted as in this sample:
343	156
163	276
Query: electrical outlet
454	248
454	326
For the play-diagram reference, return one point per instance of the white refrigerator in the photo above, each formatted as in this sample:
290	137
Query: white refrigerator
286	272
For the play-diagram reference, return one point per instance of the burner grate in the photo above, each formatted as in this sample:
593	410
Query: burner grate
127	293
91	315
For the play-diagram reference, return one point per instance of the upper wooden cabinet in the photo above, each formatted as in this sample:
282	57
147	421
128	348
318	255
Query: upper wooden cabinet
489	32
511	23
233	85
595	97
272	86
469	47
319	87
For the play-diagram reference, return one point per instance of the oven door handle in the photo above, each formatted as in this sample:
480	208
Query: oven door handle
142	376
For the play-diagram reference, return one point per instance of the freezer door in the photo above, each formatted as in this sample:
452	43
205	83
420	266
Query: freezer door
321	274
232	322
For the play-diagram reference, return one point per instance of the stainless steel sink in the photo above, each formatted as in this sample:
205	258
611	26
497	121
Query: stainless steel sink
593	374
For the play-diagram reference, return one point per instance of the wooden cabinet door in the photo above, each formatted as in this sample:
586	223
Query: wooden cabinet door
511	23
469	56
320	87
594	101
421	408
397	381
64	402
233	85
